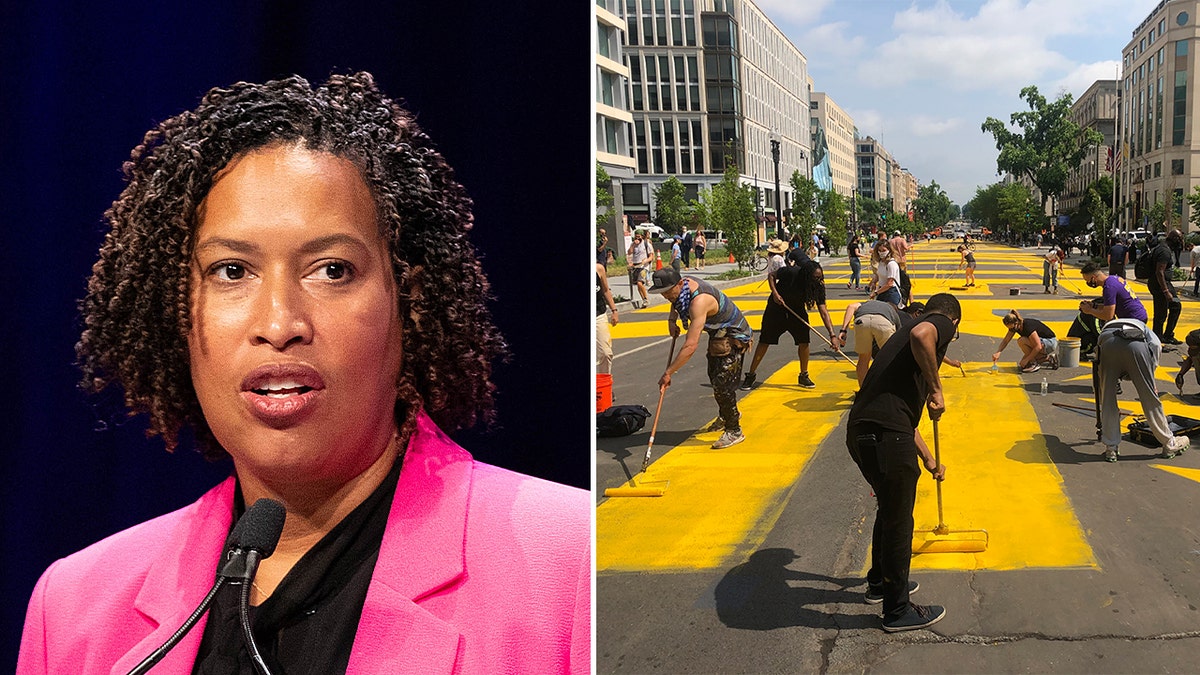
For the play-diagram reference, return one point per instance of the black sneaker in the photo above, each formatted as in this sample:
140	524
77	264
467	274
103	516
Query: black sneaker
917	617
748	382
1171	341
805	381
874	596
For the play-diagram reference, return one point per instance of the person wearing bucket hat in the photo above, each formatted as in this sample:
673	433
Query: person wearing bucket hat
776	248
704	309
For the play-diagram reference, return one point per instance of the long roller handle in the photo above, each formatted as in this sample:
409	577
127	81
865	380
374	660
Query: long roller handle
937	459
662	392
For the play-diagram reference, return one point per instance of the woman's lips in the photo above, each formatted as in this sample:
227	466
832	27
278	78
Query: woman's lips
282	394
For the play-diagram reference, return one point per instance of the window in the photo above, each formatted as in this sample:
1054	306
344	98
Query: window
1177	167
632	194
610	136
1182	19
1158	169
1181	48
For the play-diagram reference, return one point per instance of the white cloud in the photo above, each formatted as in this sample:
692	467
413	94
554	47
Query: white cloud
869	122
832	42
793	11
1006	44
1085	75
925	125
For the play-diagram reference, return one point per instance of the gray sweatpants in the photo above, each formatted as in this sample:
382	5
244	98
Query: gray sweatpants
1137	360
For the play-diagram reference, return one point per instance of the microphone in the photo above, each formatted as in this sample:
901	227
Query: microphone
254	537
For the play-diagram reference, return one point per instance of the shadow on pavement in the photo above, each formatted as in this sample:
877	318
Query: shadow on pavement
761	594
822	403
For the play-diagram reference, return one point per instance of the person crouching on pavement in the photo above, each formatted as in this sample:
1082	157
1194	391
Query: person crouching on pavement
1191	360
882	437
1129	349
702	308
1037	342
799	288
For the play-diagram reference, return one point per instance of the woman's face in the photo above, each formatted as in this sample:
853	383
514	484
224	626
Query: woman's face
295	344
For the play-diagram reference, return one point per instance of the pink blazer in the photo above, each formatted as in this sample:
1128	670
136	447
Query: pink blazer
481	570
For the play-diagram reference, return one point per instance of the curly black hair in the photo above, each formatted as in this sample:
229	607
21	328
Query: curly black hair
136	314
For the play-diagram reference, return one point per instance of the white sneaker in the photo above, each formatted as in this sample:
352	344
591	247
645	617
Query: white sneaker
1110	453
1176	446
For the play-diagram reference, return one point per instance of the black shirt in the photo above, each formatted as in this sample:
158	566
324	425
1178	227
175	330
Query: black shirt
1160	255
894	391
1031	326
792	282
796	256
308	623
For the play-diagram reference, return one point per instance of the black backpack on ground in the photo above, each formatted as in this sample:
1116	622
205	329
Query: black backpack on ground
621	420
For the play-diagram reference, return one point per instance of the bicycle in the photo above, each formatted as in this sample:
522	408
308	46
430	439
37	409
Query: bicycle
758	263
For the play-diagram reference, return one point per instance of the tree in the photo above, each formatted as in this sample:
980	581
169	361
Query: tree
604	196
804	206
932	208
730	208
835	215
871	212
1017	209
1049	146
670	206
1193	199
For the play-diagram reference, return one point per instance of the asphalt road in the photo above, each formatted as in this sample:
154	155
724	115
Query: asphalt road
753	559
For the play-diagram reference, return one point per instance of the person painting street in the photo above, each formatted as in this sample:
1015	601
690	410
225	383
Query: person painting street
967	263
874	323
882	437
1166	299
1115	301
1037	343
798	288
776	249
1191	361
1129	350
704	309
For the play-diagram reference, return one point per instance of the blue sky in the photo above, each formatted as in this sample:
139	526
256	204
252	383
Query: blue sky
921	77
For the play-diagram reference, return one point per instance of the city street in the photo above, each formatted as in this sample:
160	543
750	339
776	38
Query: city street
753	560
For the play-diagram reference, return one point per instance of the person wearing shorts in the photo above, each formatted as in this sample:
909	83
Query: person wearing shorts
640	254
698	248
1037	341
874	322
798	288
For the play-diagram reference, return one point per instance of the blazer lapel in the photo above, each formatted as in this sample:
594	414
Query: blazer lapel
178	580
421	552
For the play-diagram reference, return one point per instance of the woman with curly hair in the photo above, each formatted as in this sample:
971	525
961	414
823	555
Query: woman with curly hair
275	281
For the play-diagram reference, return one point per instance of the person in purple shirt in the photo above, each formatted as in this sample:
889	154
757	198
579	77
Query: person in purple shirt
1116	301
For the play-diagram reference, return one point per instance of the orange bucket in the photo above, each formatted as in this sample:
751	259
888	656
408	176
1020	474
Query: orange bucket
603	391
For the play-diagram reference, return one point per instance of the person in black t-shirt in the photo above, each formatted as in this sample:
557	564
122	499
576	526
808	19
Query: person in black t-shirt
1166	299
1039	345
882	437
801	288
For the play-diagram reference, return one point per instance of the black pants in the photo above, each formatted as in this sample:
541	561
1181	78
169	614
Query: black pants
1087	328
725	374
888	460
1165	309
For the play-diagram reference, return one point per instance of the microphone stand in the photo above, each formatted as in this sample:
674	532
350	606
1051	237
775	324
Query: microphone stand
158	654
252	558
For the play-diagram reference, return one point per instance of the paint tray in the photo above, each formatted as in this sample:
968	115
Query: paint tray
1139	429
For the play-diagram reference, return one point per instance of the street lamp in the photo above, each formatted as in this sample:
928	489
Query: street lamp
775	141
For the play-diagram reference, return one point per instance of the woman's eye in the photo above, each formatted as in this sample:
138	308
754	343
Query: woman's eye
335	271
229	271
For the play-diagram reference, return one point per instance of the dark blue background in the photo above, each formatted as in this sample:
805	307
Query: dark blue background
502	88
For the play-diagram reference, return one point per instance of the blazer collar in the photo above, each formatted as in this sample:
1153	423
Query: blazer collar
422	552
178	579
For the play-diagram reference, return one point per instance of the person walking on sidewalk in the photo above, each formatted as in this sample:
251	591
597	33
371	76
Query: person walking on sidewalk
698	246
606	313
855	263
1037	342
1051	266
1129	350
800	288
1166	299
704	309
676	255
640	254
882	437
